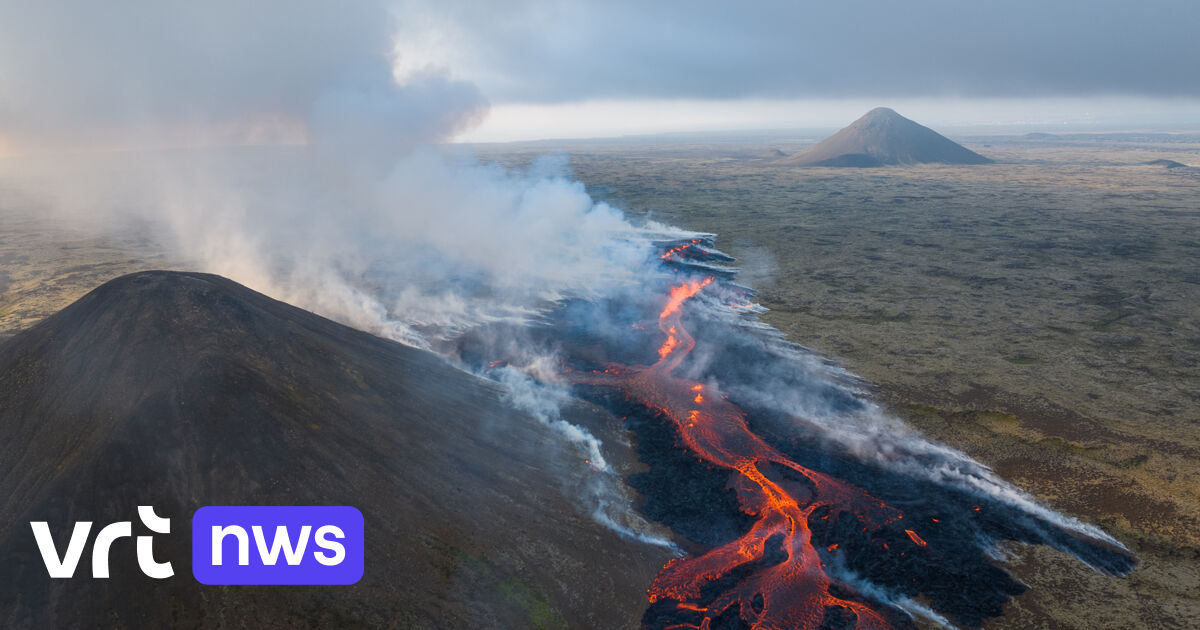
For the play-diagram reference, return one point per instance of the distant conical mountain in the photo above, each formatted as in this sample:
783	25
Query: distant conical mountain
883	137
180	390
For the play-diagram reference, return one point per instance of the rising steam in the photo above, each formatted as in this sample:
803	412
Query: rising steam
517	275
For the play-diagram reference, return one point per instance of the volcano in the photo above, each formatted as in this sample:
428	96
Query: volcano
882	137
179	390
791	501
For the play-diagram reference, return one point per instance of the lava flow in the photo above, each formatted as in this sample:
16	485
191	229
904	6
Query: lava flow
772	590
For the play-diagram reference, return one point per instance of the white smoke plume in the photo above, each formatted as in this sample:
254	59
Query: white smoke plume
605	492
320	180
367	220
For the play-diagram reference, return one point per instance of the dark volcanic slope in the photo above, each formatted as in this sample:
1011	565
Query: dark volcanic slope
180	390
882	137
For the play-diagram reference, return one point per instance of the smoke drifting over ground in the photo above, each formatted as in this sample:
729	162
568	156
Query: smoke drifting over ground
520	276
523	278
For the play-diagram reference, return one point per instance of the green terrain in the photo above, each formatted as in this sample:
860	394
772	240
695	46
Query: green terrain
1041	314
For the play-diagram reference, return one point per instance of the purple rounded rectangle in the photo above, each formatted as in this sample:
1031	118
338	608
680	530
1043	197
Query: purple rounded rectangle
261	544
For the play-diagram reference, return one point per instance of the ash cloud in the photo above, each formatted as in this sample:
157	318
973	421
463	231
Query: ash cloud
143	73
365	221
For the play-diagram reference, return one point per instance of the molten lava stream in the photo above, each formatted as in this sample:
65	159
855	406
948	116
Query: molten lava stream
790	594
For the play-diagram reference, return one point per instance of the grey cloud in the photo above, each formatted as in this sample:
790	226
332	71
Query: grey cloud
556	51
74	67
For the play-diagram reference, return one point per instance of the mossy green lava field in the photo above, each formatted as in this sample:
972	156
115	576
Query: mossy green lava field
1041	314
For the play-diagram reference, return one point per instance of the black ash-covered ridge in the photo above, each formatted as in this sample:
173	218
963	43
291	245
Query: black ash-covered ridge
180	390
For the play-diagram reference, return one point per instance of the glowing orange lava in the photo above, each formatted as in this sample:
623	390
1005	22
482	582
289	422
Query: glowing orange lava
793	593
915	538
678	248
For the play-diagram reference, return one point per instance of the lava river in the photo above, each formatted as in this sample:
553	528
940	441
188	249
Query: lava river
780	579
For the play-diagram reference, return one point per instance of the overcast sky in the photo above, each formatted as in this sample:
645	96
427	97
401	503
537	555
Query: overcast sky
541	51
76	68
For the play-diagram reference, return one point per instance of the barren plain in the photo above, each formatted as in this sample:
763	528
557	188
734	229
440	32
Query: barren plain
1042	314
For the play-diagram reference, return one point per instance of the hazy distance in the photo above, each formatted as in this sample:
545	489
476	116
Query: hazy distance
154	74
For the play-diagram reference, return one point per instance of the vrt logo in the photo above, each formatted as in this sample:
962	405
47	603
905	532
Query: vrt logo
253	544
63	566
